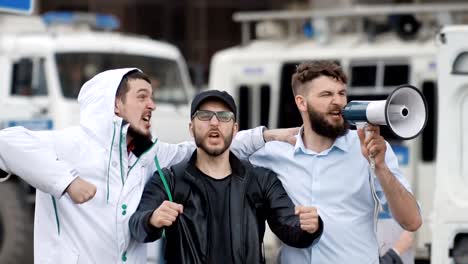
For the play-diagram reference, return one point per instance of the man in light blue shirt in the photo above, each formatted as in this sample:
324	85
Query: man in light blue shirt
328	168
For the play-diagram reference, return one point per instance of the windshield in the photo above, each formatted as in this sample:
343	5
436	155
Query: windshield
76	68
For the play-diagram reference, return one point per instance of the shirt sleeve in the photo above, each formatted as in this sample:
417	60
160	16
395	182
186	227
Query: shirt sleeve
31	157
247	142
170	154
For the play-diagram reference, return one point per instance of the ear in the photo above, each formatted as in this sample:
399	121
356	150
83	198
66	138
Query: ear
301	103
235	129
118	107
191	129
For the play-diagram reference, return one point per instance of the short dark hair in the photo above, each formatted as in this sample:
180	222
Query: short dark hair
308	71
123	88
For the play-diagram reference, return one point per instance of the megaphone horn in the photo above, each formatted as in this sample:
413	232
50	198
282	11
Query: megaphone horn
404	112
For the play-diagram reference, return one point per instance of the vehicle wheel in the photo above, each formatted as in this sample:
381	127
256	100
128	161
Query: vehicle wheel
460	250
16	225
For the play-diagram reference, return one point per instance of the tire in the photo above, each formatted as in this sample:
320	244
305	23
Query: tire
16	225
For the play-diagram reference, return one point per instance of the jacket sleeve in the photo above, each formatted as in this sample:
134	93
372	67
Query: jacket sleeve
280	213
29	155
391	257
153	196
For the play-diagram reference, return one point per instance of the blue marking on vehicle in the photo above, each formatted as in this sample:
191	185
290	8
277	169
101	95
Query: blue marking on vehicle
36	124
17	6
253	70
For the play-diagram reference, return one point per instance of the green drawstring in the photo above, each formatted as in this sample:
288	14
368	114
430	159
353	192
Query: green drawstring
163	179
54	203
166	186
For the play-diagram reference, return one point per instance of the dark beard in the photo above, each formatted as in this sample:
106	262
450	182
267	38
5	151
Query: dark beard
212	152
137	134
321	126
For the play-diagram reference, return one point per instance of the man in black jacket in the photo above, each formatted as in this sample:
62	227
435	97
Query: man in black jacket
213	208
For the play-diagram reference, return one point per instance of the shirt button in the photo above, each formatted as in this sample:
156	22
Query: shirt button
124	212
124	256
124	206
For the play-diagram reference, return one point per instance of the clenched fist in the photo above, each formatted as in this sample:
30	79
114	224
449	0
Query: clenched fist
81	191
166	214
309	218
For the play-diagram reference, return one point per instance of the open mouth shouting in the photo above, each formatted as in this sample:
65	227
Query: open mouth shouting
147	118
214	135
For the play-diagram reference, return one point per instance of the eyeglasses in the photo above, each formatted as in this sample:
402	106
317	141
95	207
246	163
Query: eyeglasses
206	115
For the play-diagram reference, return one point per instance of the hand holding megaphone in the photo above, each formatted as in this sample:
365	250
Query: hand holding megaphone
372	144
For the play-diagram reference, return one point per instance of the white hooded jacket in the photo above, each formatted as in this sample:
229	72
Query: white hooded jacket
96	151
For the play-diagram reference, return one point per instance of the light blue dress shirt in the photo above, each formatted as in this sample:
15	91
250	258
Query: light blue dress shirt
336	181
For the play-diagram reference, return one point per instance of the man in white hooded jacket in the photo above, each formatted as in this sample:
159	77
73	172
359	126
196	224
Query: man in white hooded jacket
106	160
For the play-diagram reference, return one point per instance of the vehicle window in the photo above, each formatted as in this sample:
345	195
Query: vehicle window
460	65
244	107
429	134
265	91
395	75
77	68
28	77
363	76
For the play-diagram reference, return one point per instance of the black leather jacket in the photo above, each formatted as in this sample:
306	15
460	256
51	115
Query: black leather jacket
256	195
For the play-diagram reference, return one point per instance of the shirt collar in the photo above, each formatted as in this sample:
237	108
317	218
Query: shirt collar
340	143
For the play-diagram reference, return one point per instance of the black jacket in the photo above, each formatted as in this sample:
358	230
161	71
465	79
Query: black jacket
391	257
256	195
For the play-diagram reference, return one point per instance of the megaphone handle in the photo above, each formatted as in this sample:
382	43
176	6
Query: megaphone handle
363	125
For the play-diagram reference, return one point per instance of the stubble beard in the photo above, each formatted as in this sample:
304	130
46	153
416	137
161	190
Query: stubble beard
212	151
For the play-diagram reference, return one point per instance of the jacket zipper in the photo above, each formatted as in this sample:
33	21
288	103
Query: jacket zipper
208	251
109	163
121	160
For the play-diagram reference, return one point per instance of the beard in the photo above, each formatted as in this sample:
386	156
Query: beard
210	150
135	133
322	127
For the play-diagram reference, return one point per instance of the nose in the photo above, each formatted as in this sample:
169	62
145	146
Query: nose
152	105
214	120
339	100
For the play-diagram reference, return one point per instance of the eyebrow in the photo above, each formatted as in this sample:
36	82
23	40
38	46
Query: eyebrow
142	90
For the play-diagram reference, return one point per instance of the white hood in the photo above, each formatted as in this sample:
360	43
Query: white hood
97	103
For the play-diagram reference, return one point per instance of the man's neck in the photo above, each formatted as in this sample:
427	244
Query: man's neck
129	139
314	141
217	167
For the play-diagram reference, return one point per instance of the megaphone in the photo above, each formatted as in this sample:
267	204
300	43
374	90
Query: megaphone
404	112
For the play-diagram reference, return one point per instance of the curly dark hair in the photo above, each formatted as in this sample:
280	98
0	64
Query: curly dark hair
308	71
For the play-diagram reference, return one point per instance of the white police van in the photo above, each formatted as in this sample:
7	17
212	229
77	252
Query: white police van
450	222
379	47
43	63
